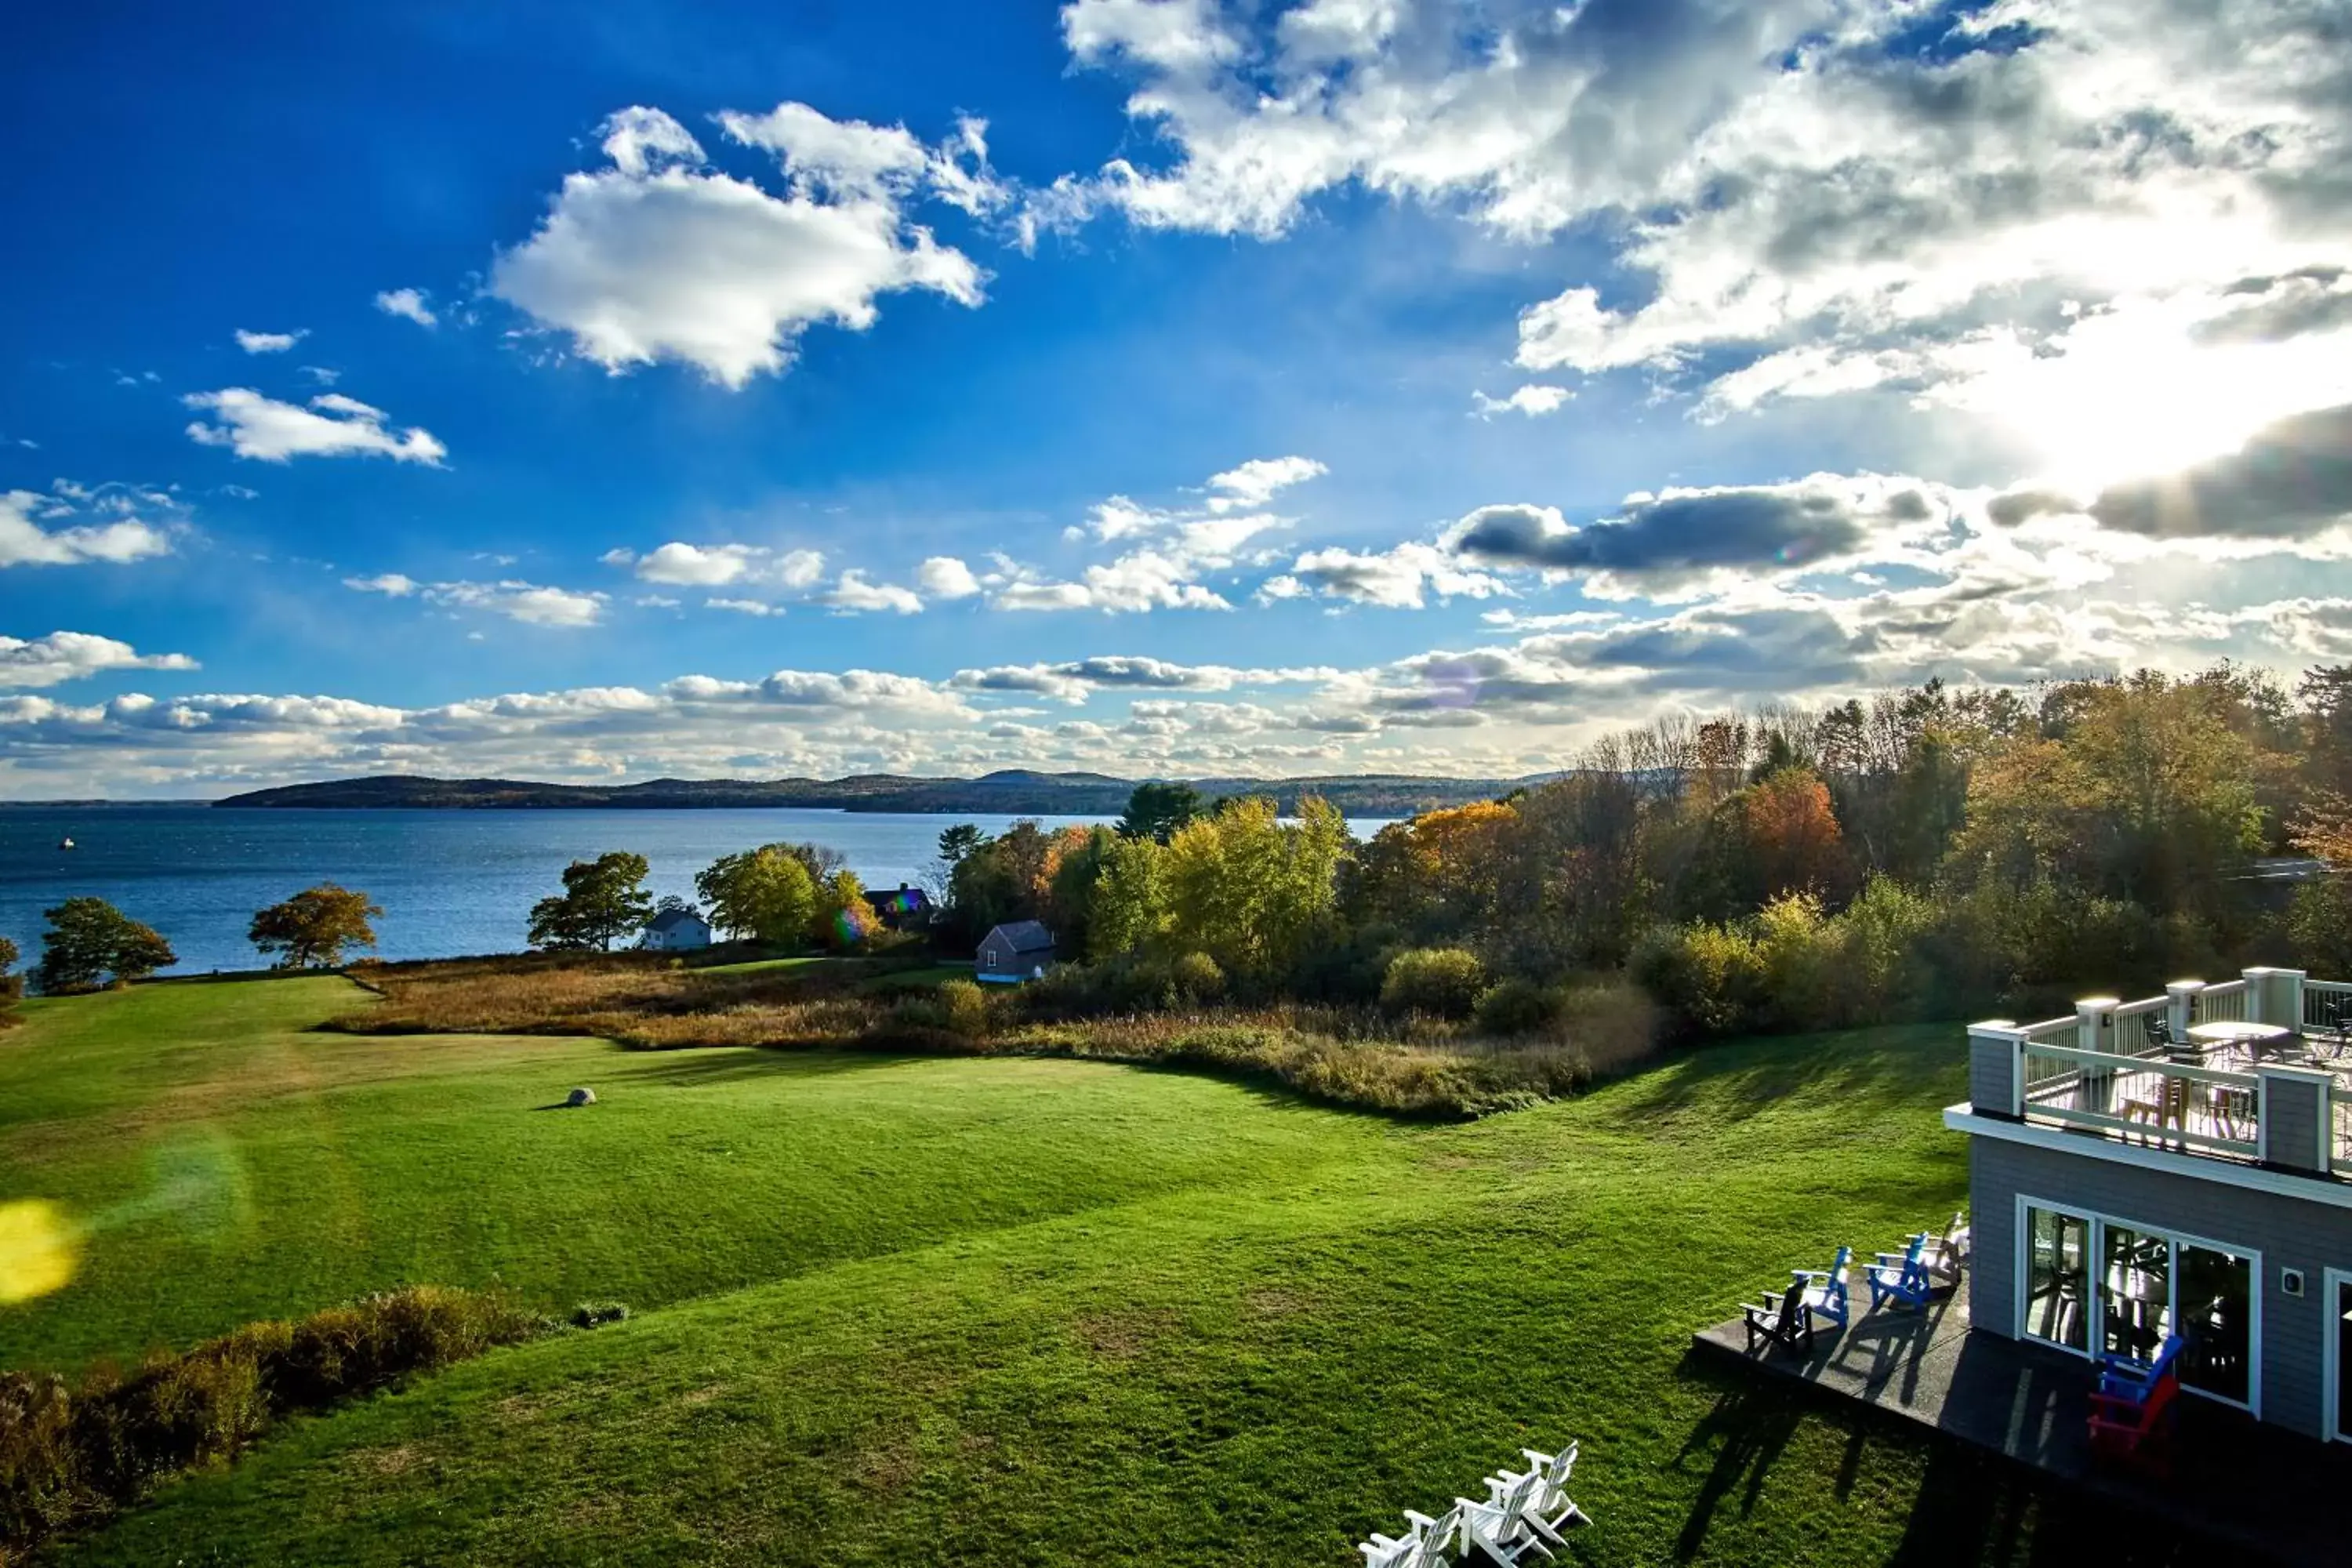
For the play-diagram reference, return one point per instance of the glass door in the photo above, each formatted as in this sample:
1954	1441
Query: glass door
2057	1277
2216	1299
2134	1293
2340	1287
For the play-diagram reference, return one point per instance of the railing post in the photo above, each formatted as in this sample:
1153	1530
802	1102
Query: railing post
2295	1117
2274	996
2182	993
2095	1031
1997	1068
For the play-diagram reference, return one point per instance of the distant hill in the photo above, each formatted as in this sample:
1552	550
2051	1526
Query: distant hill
1015	791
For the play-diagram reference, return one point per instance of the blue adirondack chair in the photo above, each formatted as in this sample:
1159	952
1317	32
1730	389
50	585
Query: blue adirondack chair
1825	1288
1901	1277
2129	1379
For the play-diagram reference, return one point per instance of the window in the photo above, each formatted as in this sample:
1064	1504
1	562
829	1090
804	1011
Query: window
2057	1280
2134	1293
2216	1296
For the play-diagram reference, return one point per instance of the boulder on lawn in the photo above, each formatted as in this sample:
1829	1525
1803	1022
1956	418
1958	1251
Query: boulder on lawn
580	1097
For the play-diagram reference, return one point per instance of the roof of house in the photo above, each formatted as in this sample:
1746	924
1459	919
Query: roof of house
670	919
1025	936
901	899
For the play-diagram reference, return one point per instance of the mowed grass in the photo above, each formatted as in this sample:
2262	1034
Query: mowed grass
988	1311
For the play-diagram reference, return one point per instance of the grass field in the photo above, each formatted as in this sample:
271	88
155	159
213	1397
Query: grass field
979	1311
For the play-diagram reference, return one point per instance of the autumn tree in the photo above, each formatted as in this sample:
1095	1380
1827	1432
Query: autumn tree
1128	908
89	942
312	929
844	919
603	901
1250	891
766	894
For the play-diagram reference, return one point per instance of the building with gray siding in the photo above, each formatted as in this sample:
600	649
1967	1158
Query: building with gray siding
2175	1165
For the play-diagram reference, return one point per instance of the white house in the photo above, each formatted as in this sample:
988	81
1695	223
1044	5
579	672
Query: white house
676	929
1016	951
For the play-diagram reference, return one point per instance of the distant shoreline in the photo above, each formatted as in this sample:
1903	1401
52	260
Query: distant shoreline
1013	793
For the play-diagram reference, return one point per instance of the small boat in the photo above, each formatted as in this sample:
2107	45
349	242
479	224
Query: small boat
64	843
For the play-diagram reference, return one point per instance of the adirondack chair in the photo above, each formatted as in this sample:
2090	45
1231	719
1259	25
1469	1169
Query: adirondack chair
1385	1551
1824	1289
1434	1540
1548	1508
1780	1320
1945	1255
1901	1277
1499	1530
2131	1409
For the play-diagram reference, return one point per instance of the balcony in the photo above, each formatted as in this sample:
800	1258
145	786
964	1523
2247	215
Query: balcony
2256	1069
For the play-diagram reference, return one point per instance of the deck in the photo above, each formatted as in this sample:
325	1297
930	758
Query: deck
2264	1493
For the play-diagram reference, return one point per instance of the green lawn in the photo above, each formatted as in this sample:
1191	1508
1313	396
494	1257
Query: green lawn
981	1312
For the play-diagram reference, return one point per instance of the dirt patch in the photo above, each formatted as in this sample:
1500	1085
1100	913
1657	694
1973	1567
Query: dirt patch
695	1396
886	1470
1277	1302
1123	1335
382	1464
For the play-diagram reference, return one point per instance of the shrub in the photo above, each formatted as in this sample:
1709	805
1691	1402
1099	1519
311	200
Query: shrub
1514	1006
1441	981
2319	924
1195	978
1710	978
69	1456
594	1314
963	1008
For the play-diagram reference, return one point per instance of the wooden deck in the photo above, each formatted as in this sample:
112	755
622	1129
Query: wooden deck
2261	1493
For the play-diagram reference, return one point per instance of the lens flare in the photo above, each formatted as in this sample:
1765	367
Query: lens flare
38	1249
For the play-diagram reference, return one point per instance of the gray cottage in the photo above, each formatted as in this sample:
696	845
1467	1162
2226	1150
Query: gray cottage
676	929
2176	1164
1014	952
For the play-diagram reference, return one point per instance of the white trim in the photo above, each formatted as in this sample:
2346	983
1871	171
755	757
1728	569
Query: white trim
2330	1354
2311	1187
2094	1308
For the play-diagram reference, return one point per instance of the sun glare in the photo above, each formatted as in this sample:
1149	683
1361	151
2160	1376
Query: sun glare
2133	392
38	1250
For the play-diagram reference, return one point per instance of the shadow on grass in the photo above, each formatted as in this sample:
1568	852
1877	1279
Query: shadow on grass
1753	1425
1734	1080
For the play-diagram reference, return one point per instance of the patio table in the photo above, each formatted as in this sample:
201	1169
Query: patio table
2252	1038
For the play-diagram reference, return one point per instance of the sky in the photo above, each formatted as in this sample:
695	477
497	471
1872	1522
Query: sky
1154	387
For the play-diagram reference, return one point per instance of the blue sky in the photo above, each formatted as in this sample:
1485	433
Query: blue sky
1144	385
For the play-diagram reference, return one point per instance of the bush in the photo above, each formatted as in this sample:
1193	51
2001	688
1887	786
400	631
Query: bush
1195	978
1709	977
1441	981
1515	1006
594	1314
2319	924
963	1008
69	1456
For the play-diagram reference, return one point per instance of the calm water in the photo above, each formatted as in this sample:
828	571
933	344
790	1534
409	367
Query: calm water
450	882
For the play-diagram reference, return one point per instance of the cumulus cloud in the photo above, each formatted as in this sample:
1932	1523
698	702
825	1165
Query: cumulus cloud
1075	680
269	342
409	304
2292	478
529	603
946	577
51	530
1682	533
854	594
655	257
681	564
333	425
1397	579
1532	399
73	656
1256	482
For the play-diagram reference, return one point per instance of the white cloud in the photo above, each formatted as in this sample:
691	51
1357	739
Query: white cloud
946	577
333	425
269	342
745	607
1397	579
529	603
653	259
73	656
1530	400
410	304
854	594
1253	483
25	541
717	565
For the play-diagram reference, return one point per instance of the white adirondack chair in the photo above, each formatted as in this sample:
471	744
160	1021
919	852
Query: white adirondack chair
1433	1539
1548	1509
1499	1530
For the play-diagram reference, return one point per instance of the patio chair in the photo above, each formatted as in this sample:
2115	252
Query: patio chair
1947	1254
1500	1529
2132	1408
2160	1033
2334	1040
1546	1509
1434	1540
1824	1289
1779	1321
1901	1277
2131	1380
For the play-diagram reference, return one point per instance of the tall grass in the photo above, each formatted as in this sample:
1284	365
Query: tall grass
71	1453
1418	1064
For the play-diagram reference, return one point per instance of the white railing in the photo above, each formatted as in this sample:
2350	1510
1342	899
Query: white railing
2323	1001
2157	1103
2221	1004
2340	1146
2037	1069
